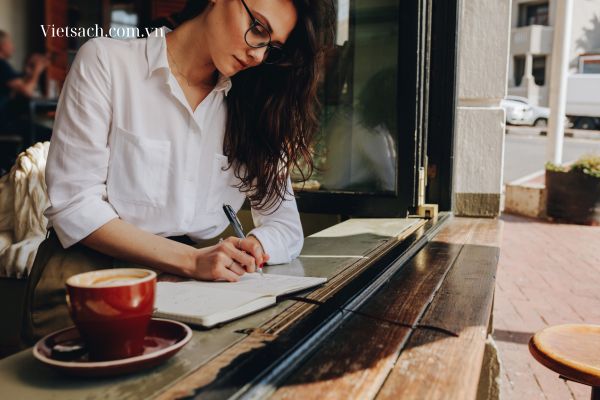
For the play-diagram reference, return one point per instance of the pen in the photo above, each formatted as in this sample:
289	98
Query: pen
237	226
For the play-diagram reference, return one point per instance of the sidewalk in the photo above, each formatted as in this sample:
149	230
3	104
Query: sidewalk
548	274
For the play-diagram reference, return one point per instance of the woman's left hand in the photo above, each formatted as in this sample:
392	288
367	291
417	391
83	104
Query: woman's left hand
252	246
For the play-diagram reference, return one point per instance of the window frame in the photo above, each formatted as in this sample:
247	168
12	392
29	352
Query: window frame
427	47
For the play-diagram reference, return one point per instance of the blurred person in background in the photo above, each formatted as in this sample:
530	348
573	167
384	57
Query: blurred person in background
15	86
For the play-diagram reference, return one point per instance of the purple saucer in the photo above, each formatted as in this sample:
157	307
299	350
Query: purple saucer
163	340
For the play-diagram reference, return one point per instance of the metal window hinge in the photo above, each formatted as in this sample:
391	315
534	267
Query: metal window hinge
429	211
425	210
421	187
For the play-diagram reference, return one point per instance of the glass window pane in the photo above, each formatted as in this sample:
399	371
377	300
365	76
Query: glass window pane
519	69
356	147
537	14
533	14
538	70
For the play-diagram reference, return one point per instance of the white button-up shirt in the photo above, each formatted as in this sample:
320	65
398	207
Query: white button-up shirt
127	144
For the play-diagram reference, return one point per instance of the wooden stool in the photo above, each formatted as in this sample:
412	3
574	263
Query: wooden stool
572	351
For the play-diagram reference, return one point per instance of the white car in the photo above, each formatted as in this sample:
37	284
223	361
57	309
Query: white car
520	112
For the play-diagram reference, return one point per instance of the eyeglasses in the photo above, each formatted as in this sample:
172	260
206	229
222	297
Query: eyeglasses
258	36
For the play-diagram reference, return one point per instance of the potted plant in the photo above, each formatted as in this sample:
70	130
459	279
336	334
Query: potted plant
573	192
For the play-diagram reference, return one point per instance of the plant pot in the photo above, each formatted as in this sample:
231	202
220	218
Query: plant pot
573	197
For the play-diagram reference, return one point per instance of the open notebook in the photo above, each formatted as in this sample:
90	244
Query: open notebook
209	303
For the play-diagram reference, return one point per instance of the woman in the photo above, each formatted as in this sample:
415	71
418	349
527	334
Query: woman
153	135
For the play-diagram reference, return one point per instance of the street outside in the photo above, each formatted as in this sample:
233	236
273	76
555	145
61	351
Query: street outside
548	274
525	150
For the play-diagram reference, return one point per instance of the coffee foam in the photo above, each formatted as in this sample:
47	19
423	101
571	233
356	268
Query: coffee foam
115	280
111	277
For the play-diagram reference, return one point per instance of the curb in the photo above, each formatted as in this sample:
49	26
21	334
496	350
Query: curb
526	196
569	132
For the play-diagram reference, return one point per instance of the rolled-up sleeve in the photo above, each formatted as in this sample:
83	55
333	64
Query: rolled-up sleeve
77	163
280	232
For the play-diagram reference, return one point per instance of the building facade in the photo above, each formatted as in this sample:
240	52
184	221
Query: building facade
532	35
483	44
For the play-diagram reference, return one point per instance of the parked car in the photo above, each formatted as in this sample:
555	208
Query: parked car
520	112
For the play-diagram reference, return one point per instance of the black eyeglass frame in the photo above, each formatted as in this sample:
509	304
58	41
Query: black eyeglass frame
269	45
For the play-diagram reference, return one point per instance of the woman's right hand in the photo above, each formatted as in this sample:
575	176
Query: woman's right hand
223	261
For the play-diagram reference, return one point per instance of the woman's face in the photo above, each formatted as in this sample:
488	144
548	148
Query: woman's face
228	21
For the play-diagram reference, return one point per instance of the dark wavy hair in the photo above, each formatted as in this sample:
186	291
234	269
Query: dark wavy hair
273	110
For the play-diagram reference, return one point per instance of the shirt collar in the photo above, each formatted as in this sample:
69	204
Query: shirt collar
156	54
223	84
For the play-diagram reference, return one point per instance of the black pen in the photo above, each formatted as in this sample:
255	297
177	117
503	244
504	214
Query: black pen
237	226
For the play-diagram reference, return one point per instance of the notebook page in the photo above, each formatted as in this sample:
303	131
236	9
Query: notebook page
194	299
271	284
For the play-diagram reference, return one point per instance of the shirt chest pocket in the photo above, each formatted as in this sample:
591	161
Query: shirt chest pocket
222	186
139	169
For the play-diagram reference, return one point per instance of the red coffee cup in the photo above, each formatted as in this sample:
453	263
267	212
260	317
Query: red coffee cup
112	309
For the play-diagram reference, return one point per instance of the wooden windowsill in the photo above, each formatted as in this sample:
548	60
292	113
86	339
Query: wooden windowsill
386	270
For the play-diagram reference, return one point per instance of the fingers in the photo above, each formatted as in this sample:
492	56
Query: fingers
239	255
225	274
213	264
236	268
250	268
227	262
252	246
225	268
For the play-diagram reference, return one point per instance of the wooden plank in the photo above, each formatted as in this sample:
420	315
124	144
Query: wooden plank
354	362
353	269
21	376
479	231
209	372
434	365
